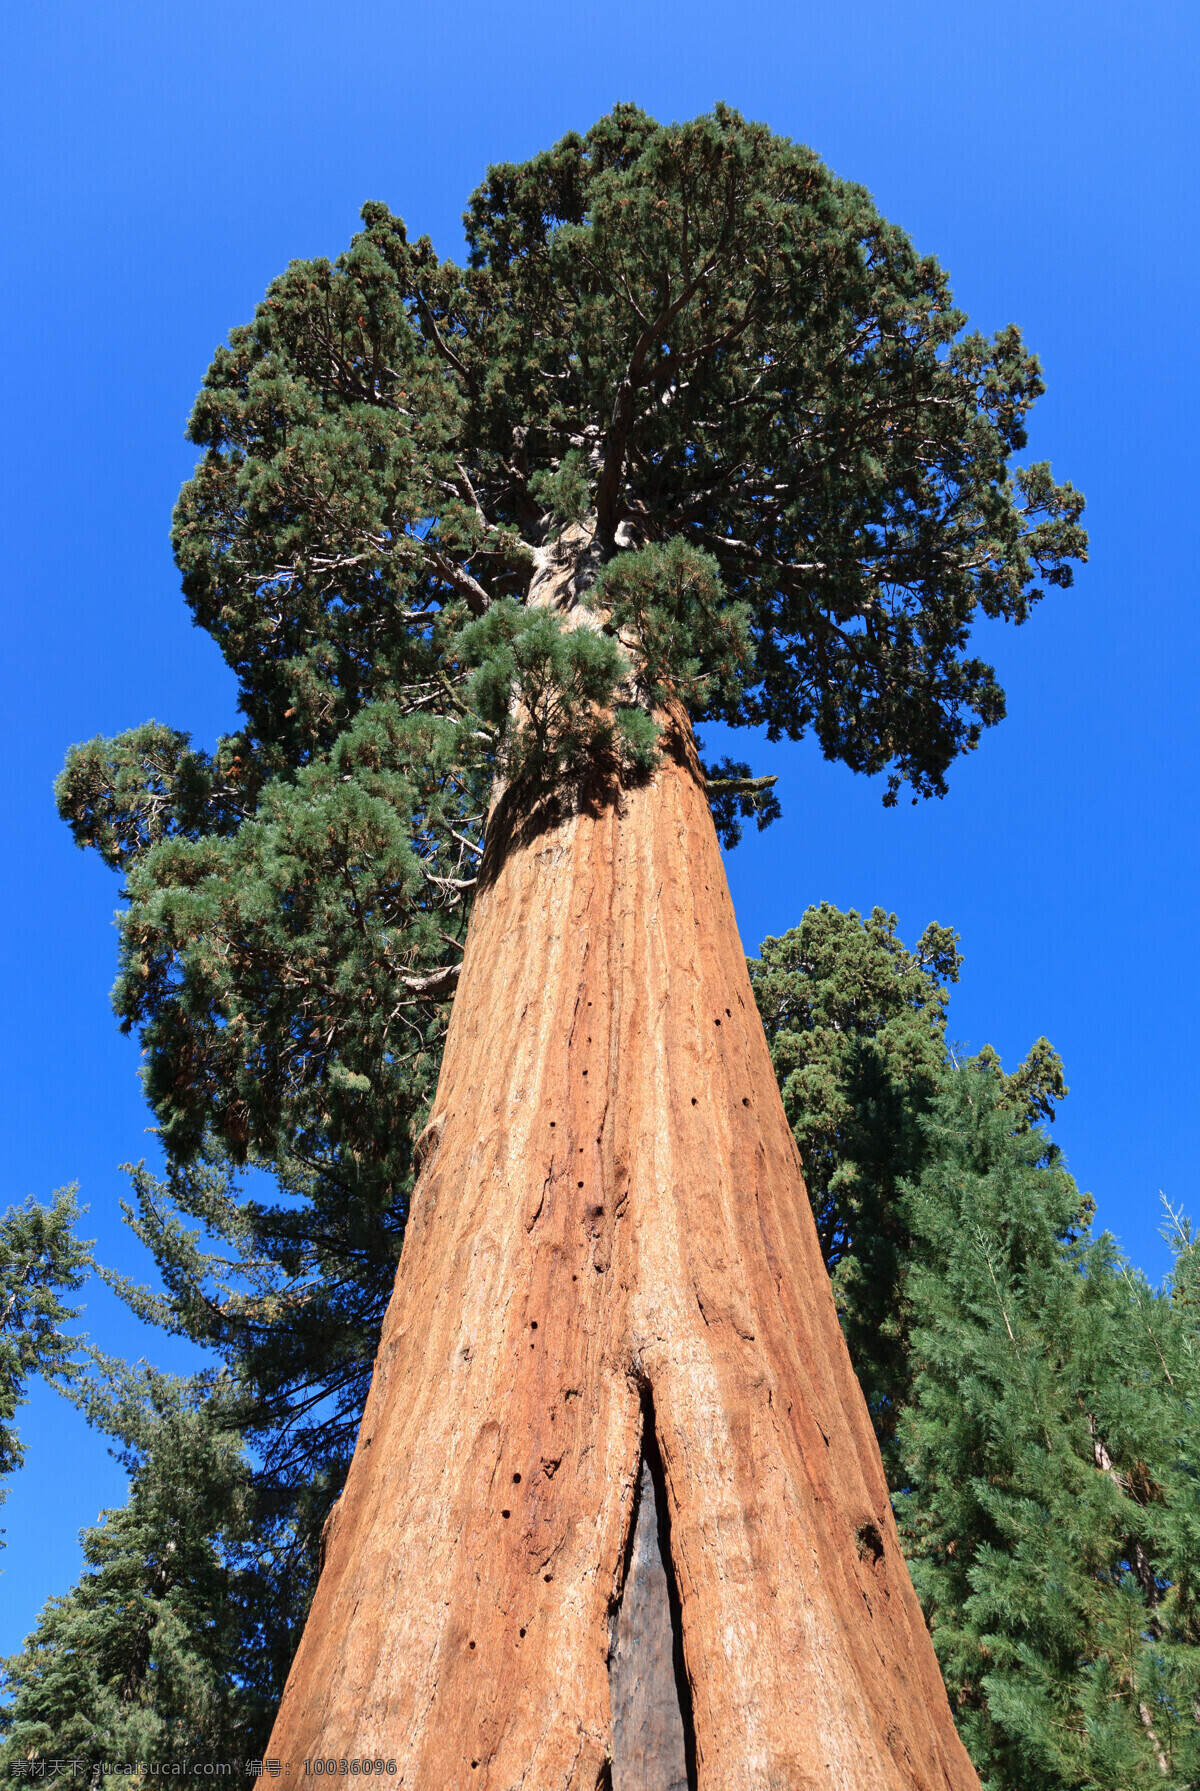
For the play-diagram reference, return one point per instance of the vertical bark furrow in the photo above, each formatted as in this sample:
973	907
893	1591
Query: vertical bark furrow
614	1204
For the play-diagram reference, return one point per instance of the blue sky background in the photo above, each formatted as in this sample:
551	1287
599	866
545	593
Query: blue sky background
163	162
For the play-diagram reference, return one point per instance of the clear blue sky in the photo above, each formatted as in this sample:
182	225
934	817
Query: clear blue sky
163	162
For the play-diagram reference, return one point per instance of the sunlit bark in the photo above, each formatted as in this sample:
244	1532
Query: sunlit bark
610	1219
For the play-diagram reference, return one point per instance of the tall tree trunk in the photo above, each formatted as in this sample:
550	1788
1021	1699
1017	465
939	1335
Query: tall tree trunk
610	1230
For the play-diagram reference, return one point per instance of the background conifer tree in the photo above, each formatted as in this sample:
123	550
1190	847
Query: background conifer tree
1052	1457
157	1653
41	1258
856	1025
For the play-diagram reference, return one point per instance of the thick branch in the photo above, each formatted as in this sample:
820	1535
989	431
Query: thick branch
457	576
436	983
739	786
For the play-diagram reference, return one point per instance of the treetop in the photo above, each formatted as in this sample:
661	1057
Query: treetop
692	334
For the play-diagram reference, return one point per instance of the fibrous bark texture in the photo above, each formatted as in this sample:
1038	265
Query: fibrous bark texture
610	1220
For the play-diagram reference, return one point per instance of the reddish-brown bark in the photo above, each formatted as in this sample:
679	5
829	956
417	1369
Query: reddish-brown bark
610	1218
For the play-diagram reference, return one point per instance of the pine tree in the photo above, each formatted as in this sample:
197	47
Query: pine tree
856	1027
695	434
1052	1451
1043	1394
153	1656
40	1259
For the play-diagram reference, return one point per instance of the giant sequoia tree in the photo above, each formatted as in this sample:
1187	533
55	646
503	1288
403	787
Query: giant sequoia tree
695	435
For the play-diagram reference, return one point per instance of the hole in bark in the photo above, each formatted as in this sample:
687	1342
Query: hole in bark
522	1632
533	1324
694	1102
870	1542
547	1577
553	1123
516	1480
506	1514
470	1644
716	1022
745	1100
653	1739
579	1184
728	1015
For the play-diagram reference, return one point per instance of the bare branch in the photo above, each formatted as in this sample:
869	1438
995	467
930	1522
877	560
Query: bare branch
437	983
739	786
477	598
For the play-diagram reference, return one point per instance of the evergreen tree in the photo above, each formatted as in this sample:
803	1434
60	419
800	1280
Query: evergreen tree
40	1260
695	434
1051	1511
856	1027
159	1652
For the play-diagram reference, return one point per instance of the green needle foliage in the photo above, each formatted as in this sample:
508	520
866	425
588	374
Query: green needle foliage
153	1656
856	1027
1051	1507
40	1260
1035	1399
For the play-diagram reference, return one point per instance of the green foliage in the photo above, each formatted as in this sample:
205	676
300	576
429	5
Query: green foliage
291	1294
125	795
40	1259
283	977
1051	1509
695	332
856	1028
693	644
163	1648
563	494
734	795
546	688
1035	1399
754	361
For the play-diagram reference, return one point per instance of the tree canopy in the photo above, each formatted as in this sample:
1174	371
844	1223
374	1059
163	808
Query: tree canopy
787	470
